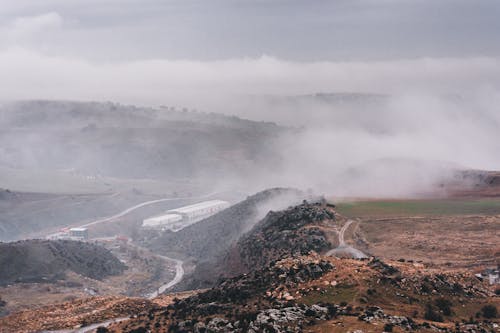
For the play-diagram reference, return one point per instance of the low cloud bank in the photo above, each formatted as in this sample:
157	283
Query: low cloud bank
408	123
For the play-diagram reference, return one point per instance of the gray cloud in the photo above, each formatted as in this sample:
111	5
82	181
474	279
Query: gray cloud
292	29
438	61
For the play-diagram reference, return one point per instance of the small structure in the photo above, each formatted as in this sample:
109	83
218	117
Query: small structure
79	233
491	274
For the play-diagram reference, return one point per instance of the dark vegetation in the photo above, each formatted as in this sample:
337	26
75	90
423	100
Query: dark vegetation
45	261
489	311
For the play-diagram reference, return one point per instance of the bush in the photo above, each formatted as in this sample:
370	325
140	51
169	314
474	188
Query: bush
431	314
444	305
489	311
497	291
388	327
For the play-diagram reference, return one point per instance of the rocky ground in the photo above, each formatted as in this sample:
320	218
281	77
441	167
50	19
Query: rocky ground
294	231
311	293
277	278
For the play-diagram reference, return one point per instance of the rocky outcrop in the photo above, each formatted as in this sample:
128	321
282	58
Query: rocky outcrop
211	237
291	232
294	231
245	303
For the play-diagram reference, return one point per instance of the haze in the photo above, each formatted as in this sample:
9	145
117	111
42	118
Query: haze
433	69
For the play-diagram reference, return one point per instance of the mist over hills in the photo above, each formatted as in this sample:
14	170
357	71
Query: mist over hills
111	140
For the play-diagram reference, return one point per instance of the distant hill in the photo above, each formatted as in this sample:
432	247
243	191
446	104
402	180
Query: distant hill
123	141
43	260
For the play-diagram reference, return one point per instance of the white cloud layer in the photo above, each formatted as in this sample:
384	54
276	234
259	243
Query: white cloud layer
26	74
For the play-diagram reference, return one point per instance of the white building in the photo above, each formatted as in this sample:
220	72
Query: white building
79	233
179	218
167	221
200	210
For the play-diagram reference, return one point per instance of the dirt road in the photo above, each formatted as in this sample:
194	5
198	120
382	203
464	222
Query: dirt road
343	249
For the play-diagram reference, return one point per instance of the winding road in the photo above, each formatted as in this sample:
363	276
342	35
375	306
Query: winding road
179	274
142	204
343	248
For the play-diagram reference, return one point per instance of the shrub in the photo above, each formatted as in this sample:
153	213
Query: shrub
444	305
388	327
431	314
489	311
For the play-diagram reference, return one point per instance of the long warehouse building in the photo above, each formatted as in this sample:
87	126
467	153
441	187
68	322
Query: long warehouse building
179	218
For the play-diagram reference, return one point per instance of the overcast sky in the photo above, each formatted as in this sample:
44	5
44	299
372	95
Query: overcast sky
305	30
217	55
184	52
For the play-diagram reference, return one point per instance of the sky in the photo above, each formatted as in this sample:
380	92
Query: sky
197	53
439	61
300	30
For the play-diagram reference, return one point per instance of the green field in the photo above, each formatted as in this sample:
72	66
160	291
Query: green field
392	208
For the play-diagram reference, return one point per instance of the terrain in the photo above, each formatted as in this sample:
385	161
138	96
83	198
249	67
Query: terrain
39	260
280	260
35	279
460	232
278	277
65	162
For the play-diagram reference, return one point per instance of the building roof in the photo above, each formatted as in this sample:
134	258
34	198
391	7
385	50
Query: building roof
158	220
198	206
78	229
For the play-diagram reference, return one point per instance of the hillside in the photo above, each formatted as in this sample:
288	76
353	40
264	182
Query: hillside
295	231
113	140
289	284
209	238
324	294
277	278
43	260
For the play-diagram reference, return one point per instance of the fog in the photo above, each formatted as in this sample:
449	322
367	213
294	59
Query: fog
404	123
367	108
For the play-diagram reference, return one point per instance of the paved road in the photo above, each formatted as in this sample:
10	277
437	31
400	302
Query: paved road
179	274
131	209
343	249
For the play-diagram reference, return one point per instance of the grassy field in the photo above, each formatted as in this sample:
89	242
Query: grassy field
391	208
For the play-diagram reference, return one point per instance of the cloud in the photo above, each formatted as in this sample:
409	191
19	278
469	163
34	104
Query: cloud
25	29
33	24
26	74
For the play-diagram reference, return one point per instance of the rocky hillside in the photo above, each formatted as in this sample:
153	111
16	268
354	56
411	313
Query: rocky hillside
298	230
43	260
211	237
324	294
290	285
292	232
